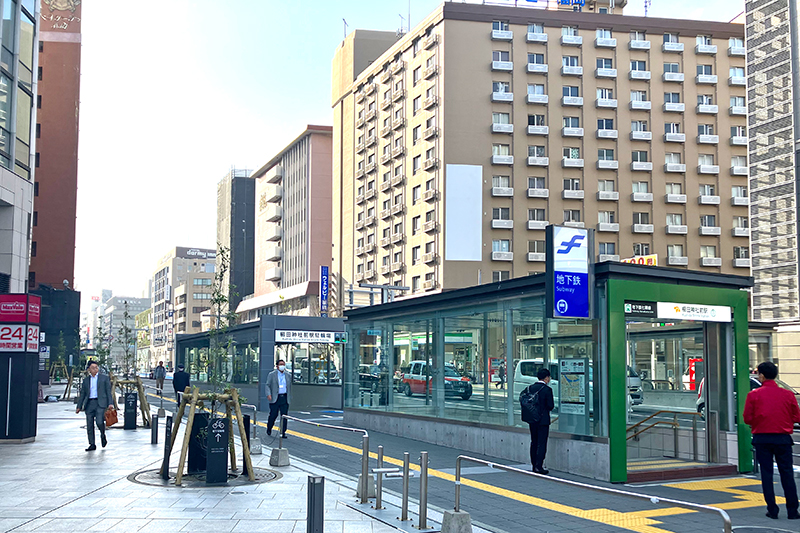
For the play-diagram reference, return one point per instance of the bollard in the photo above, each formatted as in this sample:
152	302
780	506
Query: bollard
245	441
406	472
280	455
315	512
154	429
167	449
365	469
423	491
379	481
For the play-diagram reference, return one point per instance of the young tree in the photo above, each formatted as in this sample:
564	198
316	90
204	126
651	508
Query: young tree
125	339
102	348
222	318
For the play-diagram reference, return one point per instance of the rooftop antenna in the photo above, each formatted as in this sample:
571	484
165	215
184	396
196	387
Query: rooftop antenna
647	6
345	28
400	31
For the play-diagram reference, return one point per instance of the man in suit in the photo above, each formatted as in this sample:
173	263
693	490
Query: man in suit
180	380
96	396
540	430
278	388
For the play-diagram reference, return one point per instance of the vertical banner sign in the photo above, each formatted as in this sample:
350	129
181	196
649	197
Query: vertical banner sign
568	280
324	282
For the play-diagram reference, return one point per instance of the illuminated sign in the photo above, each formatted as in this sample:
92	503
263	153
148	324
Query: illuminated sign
649	260
320	337
568	272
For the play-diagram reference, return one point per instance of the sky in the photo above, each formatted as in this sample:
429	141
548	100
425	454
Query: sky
174	93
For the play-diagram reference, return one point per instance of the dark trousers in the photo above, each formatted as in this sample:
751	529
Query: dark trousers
94	415
783	457
539	434
281	404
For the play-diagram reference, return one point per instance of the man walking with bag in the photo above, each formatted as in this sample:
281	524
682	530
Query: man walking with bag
160	374
95	398
537	402
278	389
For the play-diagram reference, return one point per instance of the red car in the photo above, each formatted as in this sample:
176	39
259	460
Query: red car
454	384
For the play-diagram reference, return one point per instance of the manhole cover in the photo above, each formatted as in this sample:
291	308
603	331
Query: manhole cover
198	481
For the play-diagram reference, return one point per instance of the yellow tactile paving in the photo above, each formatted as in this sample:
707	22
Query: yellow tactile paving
663	466
716	484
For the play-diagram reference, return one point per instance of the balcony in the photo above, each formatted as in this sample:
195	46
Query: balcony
398	67
676	77
605	73
430	41
386	269
502	256
637	44
360	199
607	258
608	195
386	185
398	151
536	37
502	128
273	274
572	194
607	164
398	237
429	284
571	163
674	107
537	257
738	140
572	101
538	161
274	253
645	166
675	167
706	79
502	159
541	99
538	224
433	162
502	191
677	260
538	193
398	95
641	135
361	251
274	233
574	224
741	263
360	96
736	51
708	169
606	103
387	103
371	167
740	200
605	43
674	137
572	132
430	133
675	198
502	35
607	134
608	227
386	76
642	228
639	75
538	130
677	229
737	111
672	47
360	122
430	258
398	180
369	195
360	224
571	40
710	230
537	68
708	139
505	66
502	224
740	232
739	171
737	81
386	213
642	197
710	261
709	49
360	147
571	71
385	158
369	274
708	109
371	115
502	97
431	101
386	131
386	242
430	226
398	123
398	209
640	105
371	141
398	266
272	193
430	72
430	195
369	89
274	175
707	199
274	212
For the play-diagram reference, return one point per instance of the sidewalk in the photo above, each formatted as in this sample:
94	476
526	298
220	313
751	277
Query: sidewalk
54	485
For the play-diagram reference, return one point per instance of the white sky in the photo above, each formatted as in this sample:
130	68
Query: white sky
176	92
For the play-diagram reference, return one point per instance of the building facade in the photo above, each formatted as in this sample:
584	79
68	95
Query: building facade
463	140
144	327
119	313
181	291
236	194
19	34
292	227
56	154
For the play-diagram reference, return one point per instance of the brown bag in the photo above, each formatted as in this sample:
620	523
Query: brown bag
111	417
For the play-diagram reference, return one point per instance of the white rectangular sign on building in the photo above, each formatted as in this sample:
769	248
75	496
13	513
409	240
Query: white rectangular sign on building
698	312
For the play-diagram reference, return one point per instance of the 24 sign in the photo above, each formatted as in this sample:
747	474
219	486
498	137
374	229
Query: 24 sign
12	337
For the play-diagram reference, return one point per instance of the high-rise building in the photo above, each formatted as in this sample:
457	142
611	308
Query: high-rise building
19	34
56	155
236	194
182	288
120	313
293	227
456	146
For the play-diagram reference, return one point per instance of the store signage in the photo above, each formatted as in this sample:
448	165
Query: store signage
568	272
324	283
641	309
324	337
33	339
373	332
649	260
697	312
44	352
12	337
13	307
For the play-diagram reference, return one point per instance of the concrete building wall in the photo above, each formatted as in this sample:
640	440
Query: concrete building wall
236	230
16	209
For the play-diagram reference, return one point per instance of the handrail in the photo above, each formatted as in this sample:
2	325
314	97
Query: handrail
726	519
651	426
639	423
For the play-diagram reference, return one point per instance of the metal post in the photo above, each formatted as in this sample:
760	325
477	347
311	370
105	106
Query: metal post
365	469
694	438
458	484
423	490
280	425
675	433
315	512
406	472
379	481
154	429
245	441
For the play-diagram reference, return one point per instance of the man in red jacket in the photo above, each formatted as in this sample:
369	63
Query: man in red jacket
771	412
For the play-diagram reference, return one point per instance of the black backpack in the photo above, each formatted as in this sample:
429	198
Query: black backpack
529	403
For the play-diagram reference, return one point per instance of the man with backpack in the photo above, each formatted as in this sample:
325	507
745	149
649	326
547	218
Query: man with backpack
536	402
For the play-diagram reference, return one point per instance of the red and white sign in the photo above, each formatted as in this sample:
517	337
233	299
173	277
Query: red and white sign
34	308
12	337
13	308
33	339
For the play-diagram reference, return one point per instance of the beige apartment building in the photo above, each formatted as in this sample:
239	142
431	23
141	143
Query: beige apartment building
457	144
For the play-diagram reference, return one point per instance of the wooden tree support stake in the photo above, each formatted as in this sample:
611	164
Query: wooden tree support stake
231	446
187	436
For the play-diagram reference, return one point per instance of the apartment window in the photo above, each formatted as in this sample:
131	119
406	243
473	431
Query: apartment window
604	62
536	120
387	148
705	99
33	248
673	157
429	185
741	222
572	122
415	134
387	232
672	98
536	247
674	188
738	161
398	228
398	114
705	129
672	127
430	62
639	65
398	199
500	275
640	186
501	181
430	216
707	190
605	124
416	164
397	257
739	191
360	242
708	251
417	104
605	94
501	149
569	31
500	55
536	183
570	90
674	219
606	186
387	176
705	159
704	70
417	46
605	154
371	159
537	214
639	125
415	283
638	96
641	218
673	68
360	191
670	37
603	33
606	217
708	221
737	101
607	248
415	251
572	215
370	238
501	245
736	72
572	153
736	42
398	142
201	296
35	218
536	59
501	25
536	88
417	75
416	192
741	252
569	61
415	225
536	151
639	156
675	250
641	248
501	87
703	39
572	184
638	36
501	118
431	122
501	213
738	131
535	28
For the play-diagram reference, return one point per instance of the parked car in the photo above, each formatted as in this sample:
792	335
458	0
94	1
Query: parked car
369	377
754	384
415	380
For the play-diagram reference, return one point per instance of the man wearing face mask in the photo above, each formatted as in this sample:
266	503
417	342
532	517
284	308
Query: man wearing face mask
279	385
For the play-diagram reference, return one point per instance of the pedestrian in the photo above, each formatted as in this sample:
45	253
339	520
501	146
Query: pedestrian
278	388
771	413
160	374
95	398
538	417
180	380
502	373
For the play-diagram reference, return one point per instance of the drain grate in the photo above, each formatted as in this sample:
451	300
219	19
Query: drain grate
198	481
